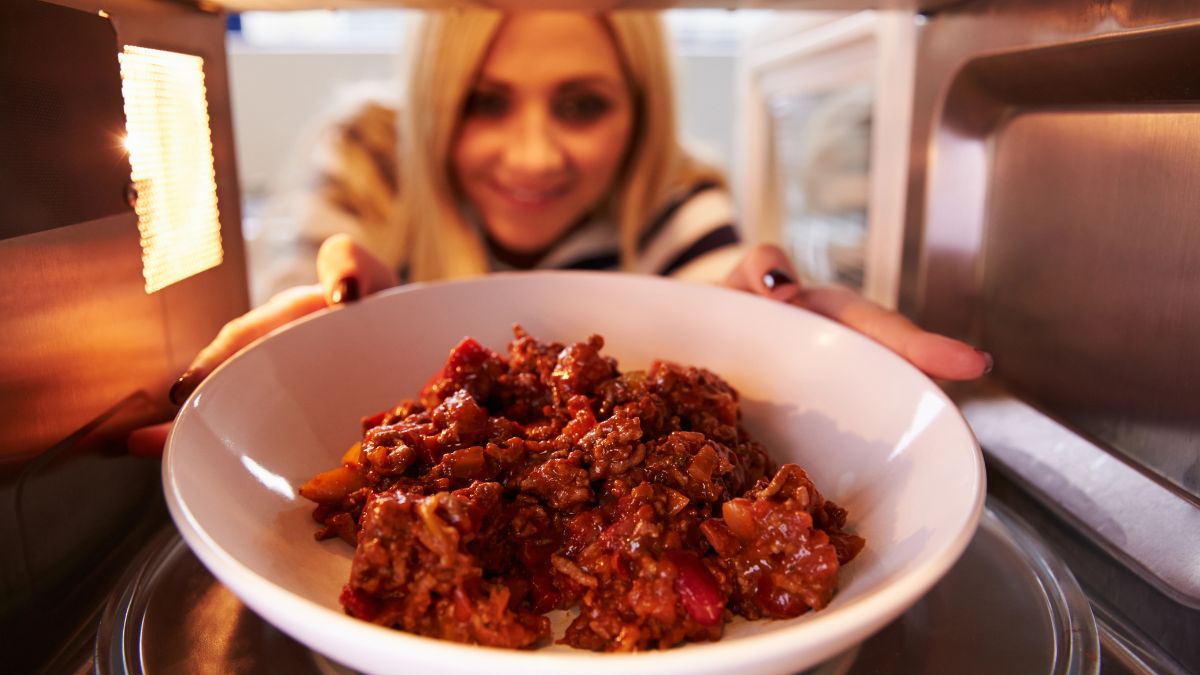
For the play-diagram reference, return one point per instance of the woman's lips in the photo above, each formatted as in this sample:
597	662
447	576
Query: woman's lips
529	197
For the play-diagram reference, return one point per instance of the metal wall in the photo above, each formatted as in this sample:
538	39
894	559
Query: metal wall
1052	218
86	355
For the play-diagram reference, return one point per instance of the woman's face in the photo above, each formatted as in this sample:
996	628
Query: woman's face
545	128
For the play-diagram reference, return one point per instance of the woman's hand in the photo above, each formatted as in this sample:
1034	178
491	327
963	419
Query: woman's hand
766	271
288	305
346	272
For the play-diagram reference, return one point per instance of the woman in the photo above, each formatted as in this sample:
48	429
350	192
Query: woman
620	212
547	139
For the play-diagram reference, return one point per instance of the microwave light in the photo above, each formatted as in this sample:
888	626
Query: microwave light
170	155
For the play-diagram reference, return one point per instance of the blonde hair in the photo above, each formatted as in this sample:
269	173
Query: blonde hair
433	237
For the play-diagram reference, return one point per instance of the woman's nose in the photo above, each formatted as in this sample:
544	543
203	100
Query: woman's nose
534	147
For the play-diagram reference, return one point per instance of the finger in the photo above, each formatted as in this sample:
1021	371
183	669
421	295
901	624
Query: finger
348	271
765	270
148	441
284	308
936	355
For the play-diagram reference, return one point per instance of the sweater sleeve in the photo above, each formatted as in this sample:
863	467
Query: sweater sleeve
344	182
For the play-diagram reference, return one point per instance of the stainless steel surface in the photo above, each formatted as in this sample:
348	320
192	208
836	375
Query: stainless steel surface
1057	216
1126	656
1051	220
1132	516
66	360
85	354
1141	630
1092	273
990	53
55	104
80	333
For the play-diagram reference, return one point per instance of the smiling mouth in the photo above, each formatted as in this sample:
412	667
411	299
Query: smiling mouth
528	198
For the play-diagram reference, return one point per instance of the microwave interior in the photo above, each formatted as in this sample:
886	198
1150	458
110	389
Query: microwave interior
1049	216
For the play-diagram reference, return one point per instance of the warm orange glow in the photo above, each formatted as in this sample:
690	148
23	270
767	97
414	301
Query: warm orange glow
170	152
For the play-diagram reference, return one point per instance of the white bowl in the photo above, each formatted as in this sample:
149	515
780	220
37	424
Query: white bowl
877	437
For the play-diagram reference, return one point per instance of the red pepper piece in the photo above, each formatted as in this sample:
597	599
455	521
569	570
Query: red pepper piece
697	589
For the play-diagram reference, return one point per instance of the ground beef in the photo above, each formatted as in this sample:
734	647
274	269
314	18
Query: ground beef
548	479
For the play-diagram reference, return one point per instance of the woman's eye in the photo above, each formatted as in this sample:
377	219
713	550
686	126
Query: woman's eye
486	104
581	108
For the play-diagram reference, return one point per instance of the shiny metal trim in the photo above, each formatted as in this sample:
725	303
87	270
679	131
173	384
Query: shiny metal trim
979	67
1135	519
1126	655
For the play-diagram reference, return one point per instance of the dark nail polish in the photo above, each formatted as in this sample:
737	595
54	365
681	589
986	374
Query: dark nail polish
184	386
777	278
345	291
991	362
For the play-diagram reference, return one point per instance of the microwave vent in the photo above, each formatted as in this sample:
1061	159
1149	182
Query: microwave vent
171	155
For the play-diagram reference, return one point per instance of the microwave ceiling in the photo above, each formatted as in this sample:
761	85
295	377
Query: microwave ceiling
845	5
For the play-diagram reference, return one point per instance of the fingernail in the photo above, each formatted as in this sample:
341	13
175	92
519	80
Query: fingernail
991	362
776	278
184	386
345	291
